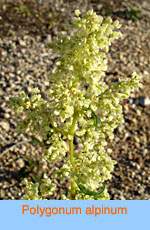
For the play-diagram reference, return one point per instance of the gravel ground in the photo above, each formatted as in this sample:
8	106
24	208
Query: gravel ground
26	62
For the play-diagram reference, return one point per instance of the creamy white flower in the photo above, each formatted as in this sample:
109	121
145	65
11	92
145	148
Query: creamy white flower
77	90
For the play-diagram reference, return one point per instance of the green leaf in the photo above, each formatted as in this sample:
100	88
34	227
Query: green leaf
41	176
35	140
137	11
34	178
135	17
95	119
90	193
129	8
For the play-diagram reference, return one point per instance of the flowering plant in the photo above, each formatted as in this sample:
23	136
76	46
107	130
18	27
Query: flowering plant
80	104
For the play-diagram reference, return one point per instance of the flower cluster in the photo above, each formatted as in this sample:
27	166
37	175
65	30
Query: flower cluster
80	104
38	191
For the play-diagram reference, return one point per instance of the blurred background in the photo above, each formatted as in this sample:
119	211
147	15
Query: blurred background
26	29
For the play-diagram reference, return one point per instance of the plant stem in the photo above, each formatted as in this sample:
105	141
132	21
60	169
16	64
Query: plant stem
75	116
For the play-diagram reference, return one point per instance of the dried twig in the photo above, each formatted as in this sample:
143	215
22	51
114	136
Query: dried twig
10	148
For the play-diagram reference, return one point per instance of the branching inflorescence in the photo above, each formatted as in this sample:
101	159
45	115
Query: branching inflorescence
80	104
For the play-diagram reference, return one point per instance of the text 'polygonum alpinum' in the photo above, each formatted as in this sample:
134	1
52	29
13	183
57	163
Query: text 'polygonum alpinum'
80	104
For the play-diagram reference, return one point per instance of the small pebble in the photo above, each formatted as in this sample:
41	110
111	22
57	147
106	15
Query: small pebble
5	125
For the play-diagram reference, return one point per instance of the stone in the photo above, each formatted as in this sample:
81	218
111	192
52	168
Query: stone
5	125
20	163
144	101
109	150
2	194
22	43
